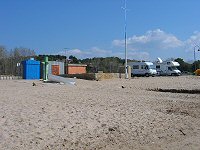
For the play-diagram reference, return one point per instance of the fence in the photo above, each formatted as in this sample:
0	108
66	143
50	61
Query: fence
9	77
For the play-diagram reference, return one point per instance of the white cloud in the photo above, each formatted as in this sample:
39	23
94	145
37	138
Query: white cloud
153	39
154	43
192	41
90	53
138	55
97	52
101	52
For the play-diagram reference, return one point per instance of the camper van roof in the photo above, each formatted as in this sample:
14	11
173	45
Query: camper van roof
174	63
149	63
159	60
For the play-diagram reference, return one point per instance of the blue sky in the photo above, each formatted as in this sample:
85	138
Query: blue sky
95	28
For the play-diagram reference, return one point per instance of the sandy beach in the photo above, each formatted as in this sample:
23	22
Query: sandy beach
109	114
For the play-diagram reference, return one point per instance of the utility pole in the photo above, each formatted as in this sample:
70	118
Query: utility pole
125	39
66	53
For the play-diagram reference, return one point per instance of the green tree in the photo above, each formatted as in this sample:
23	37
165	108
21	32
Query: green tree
51	57
196	65
108	64
184	67
74	60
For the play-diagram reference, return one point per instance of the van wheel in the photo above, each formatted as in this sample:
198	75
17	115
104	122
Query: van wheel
132	75
147	75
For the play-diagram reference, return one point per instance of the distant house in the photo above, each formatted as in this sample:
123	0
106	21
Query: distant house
76	68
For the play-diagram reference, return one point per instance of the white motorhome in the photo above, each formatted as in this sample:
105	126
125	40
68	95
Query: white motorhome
167	67
142	69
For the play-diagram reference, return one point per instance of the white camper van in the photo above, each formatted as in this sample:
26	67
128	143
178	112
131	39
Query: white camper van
167	67
142	69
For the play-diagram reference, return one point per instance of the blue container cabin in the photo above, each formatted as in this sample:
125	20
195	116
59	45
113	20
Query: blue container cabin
31	69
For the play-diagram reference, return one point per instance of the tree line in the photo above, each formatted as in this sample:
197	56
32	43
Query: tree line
187	67
108	64
9	62
113	64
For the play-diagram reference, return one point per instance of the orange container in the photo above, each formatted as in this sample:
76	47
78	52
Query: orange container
197	72
55	69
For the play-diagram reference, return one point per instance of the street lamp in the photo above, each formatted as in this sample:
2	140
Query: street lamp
125	38
66	60
66	52
197	46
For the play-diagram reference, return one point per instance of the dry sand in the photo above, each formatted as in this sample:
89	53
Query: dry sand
100	115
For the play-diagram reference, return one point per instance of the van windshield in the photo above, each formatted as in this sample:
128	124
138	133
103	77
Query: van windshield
151	67
174	68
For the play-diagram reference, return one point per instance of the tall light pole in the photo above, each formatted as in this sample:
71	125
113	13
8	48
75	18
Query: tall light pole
66	52
125	39
196	46
66	61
